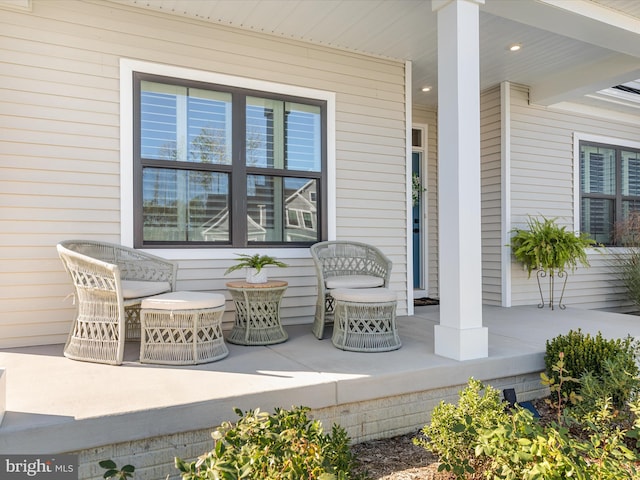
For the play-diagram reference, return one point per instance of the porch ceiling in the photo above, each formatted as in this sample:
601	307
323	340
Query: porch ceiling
571	49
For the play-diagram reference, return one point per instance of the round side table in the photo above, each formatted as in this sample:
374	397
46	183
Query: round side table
257	319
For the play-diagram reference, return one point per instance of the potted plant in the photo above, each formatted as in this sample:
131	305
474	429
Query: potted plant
550	249
255	266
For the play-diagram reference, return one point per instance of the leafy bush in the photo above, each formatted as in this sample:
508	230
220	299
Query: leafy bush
112	470
627	234
617	383
527	449
592	356
477	439
285	445
453	431
630	274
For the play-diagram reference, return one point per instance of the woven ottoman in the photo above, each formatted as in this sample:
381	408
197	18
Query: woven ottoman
182	328
365	320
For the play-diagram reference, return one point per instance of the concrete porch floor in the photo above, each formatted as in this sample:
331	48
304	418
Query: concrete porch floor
56	405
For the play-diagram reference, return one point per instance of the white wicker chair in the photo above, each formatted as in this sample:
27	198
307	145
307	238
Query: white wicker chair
345	264
110	282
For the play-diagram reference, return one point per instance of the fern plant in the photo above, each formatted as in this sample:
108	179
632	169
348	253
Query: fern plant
256	261
549	247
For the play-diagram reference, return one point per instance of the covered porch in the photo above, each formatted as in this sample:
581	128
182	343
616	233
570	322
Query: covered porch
147	414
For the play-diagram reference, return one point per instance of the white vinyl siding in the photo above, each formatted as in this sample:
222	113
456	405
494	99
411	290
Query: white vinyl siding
542	183
60	151
491	178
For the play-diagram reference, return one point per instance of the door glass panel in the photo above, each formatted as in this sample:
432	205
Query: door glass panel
416	160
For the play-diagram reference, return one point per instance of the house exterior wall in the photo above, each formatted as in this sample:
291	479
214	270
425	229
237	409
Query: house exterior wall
542	183
60	150
491	189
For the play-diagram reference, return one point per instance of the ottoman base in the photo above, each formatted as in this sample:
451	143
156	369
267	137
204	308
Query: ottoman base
182	328
365	320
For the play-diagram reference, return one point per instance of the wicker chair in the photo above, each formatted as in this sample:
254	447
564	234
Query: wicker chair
344	264
110	282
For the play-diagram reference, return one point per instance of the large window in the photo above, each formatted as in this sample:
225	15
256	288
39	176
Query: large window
222	166
609	188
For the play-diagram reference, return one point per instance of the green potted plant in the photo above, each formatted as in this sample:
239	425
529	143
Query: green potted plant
256	273
550	249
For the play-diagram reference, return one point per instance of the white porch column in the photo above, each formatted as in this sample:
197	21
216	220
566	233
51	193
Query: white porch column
460	334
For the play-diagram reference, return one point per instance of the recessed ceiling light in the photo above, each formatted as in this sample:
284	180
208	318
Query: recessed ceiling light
426	89
515	47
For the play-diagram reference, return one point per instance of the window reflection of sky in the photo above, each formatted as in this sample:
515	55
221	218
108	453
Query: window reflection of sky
168	118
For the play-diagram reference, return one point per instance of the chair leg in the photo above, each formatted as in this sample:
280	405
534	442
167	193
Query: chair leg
318	322
324	314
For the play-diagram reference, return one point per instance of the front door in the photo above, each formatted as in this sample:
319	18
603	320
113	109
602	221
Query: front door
417	223
418	171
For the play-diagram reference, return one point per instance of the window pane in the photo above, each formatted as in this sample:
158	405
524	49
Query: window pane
597	170
597	219
303	134
264	127
631	173
185	124
283	135
158	117
185	206
209	120
281	209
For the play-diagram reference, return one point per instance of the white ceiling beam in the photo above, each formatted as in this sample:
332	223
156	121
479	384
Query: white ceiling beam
578	19
587	22
571	85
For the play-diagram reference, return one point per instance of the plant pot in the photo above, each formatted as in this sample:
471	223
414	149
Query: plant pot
255	276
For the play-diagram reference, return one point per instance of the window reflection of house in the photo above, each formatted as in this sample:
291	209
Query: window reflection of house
300	215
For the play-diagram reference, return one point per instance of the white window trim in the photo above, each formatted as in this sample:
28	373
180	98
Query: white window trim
127	67
587	137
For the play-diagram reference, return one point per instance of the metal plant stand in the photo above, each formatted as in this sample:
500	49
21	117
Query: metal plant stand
563	276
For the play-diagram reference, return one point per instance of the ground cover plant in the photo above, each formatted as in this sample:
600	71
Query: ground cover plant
591	431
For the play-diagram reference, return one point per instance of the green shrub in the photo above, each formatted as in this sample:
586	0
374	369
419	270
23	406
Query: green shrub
453	431
284	445
477	439
629	264
526	449
626	233
616	383
586	354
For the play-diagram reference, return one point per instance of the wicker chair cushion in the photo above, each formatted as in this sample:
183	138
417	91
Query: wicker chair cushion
364	295
184	301
140	288
354	281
